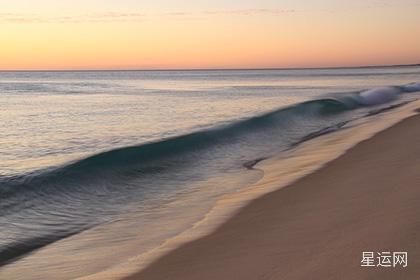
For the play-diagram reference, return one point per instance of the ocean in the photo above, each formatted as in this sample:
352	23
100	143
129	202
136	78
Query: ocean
97	168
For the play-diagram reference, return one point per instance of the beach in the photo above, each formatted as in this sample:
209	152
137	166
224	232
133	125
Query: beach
209	140
366	200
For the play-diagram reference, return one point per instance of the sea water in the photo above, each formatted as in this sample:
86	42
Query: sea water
98	167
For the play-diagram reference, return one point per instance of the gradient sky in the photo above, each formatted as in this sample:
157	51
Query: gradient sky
129	34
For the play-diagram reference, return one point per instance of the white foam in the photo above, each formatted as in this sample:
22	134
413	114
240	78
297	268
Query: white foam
412	87
378	95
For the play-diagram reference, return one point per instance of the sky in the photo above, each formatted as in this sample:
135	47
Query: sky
185	34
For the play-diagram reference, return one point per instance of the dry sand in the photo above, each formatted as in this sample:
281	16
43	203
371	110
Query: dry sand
317	228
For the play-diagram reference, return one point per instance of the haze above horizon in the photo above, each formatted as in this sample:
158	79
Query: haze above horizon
163	34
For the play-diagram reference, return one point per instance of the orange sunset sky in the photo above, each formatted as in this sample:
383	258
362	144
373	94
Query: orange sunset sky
151	34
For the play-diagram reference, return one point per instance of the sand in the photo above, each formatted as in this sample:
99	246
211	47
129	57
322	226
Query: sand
317	228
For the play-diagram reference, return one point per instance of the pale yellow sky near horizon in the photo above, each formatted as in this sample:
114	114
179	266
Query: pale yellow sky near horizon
130	34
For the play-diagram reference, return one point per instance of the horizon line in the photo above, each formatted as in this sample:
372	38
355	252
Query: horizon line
210	69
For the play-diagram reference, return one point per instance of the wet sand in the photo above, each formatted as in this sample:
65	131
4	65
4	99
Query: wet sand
317	228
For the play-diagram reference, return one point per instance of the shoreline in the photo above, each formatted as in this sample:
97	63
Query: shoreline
275	172
173	261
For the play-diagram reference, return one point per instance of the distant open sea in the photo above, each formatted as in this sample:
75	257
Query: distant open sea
100	167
